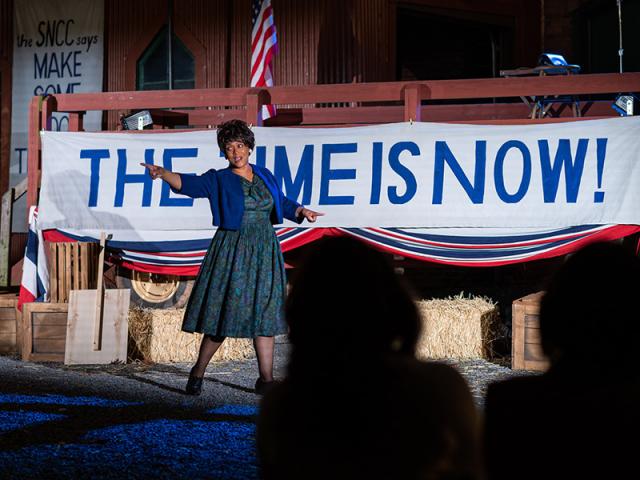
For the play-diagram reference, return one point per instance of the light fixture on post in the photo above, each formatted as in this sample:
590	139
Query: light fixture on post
137	121
625	104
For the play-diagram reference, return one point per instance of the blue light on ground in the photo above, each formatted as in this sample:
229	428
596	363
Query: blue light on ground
163	448
157	449
16	420
64	400
239	410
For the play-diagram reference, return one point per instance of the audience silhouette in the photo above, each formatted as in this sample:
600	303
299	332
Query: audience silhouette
356	403
581	417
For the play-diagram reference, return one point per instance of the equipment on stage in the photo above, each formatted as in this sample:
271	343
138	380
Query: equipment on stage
137	121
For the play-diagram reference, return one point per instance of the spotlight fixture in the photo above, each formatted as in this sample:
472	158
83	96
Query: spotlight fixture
557	60
137	121
625	103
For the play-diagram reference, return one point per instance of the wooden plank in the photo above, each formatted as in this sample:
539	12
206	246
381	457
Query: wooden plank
60	276
67	271
18	331
412	95
38	347
51	332
76	121
205	97
487	113
99	310
27	336
20	189
532	335
37	307
526	352
49	345
79	347
33	152
46	357
532	299
459	89
517	336
354	92
39	319
84	266
7	342
8	300
53	272
75	265
8	326
6	209
531	320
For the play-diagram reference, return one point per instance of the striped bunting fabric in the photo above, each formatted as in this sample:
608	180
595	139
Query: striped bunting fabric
458	247
35	274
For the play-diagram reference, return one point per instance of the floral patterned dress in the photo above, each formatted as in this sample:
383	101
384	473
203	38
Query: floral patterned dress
241	286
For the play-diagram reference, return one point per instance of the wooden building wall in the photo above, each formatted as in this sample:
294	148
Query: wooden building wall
323	41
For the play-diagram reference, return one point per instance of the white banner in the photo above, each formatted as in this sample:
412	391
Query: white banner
58	48
399	175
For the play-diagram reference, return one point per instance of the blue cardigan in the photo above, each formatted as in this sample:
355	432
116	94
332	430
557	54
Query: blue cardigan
226	199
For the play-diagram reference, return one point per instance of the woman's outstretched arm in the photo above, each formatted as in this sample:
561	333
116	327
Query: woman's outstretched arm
173	179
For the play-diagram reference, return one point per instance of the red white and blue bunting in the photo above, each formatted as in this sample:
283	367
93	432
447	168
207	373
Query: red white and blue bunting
465	247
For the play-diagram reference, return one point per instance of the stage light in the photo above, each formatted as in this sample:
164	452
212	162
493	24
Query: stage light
557	60
624	104
137	121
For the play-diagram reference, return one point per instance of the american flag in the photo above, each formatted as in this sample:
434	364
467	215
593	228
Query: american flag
263	47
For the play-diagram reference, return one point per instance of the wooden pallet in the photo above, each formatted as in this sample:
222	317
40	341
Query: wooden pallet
72	266
9	323
526	351
44	331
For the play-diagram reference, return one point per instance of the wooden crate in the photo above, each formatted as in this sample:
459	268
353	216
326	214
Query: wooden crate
72	266
44	331
526	352
9	323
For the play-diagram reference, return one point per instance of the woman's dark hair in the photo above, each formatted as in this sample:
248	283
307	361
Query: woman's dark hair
589	312
347	304
235	131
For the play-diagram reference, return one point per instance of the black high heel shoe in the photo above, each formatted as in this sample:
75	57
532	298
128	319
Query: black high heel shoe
194	385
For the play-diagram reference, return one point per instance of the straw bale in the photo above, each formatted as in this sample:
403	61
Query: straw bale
155	336
458	327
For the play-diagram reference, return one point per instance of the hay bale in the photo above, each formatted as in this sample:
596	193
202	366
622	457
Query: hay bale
155	336
458	327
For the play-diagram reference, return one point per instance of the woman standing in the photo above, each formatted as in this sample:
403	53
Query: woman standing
240	289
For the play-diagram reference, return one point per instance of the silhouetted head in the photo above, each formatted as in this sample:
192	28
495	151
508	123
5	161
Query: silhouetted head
589	312
235	131
347	304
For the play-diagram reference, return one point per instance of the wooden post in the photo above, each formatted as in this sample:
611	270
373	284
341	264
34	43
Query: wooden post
76	121
256	98
33	152
412	95
97	331
6	214
48	107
